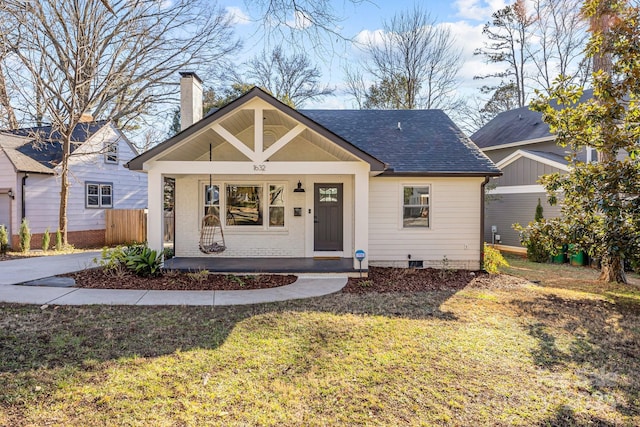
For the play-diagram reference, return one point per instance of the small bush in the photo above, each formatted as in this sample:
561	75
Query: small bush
46	240
4	240
58	240
198	276
144	261
25	236
493	260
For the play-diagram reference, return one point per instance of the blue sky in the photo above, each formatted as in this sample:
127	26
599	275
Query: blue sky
465	18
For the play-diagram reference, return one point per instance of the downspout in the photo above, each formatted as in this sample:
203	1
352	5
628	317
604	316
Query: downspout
482	191
24	185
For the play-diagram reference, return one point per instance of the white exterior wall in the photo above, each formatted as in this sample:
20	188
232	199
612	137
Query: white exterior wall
86	165
295	240
454	230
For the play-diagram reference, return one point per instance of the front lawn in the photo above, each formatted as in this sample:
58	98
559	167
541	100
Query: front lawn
564	351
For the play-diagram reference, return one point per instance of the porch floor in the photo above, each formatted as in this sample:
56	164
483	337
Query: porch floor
261	265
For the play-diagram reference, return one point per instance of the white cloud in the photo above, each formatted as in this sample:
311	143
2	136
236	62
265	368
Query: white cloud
366	37
478	10
238	17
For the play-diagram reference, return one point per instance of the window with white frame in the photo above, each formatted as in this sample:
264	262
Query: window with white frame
212	199
98	195
244	204
415	206
111	152
276	205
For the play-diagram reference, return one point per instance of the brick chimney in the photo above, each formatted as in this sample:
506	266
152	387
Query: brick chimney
190	99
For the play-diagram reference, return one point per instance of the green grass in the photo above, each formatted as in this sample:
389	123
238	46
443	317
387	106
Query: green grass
560	352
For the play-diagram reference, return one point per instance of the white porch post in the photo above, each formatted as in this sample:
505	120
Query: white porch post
361	214
155	210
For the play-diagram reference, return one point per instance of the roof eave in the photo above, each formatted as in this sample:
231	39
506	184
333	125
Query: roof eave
460	174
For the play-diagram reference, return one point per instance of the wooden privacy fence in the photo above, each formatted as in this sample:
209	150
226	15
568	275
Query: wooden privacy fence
125	226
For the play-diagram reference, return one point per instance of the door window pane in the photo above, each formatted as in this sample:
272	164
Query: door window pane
328	194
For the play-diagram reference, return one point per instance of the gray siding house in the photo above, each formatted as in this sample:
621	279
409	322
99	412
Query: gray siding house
520	144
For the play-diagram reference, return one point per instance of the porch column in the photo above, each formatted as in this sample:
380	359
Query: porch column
361	214
155	210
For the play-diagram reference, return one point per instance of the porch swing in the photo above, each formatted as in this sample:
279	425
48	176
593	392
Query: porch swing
211	234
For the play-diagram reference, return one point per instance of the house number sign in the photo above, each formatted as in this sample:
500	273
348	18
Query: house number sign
259	168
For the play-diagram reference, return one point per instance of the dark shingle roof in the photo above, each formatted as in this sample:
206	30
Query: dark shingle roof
43	145
520	124
428	141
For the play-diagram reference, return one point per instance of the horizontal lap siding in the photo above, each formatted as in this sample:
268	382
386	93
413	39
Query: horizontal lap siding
455	223
504	210
87	165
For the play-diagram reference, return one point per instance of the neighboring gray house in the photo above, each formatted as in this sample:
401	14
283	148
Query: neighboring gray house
520	144
30	181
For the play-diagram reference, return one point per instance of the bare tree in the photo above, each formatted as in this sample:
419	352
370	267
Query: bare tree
301	23
414	65
508	35
292	79
560	31
115	63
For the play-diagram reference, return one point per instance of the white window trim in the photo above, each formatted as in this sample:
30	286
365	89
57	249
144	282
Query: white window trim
401	207
222	193
100	186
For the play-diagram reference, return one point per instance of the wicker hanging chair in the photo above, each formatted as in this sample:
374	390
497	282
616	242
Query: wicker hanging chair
211	235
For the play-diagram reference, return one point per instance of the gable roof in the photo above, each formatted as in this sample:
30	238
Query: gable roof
427	143
520	125
137	162
550	159
38	149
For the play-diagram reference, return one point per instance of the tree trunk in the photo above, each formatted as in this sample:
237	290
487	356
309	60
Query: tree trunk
64	187
12	122
612	270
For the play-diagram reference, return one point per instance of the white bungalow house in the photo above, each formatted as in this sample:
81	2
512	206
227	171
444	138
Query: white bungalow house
406	186
30	181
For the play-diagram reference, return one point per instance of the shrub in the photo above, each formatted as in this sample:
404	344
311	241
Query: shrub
493	260
144	261
25	236
4	240
58	240
46	240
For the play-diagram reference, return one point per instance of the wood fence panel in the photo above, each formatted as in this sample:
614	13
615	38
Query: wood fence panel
125	226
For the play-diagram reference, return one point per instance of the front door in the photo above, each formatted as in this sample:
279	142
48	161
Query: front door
327	220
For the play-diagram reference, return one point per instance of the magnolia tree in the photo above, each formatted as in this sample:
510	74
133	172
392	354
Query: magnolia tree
600	201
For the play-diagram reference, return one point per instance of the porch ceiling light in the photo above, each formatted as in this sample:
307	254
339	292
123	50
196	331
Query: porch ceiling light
299	189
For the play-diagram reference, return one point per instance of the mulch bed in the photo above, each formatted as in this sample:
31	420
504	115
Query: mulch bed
411	280
380	280
97	278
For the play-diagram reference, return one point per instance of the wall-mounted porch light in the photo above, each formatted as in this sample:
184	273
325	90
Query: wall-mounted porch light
11	194
299	189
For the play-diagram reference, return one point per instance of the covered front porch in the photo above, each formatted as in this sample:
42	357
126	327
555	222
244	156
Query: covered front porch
264	265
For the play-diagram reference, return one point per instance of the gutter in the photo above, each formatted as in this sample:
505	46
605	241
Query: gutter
482	191
24	185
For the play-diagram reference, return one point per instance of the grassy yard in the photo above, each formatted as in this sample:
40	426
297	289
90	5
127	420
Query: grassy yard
563	351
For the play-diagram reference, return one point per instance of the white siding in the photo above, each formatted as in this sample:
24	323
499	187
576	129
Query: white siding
455	223
86	165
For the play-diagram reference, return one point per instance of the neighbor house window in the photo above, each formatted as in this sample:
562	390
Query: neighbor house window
415	206
111	153
276	205
99	195
244	204
212	200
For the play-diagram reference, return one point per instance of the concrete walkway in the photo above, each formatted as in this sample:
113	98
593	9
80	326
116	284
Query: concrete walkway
23	270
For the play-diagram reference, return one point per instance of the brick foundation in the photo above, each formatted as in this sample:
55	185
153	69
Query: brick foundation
79	239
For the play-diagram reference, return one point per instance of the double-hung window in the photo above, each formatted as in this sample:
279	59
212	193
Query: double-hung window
415	206
98	195
111	152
